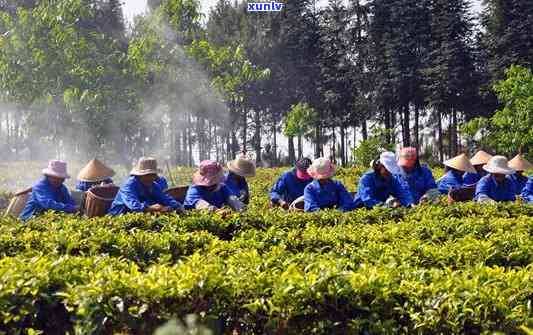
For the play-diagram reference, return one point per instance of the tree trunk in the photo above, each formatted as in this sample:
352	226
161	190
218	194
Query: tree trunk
244	130
343	146
439	130
257	142
190	161
291	150
364	130
274	145
417	135
317	140
406	126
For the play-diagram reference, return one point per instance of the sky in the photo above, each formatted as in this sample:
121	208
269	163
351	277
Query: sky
135	7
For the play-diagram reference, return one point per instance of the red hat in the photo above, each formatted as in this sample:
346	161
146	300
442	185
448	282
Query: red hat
408	157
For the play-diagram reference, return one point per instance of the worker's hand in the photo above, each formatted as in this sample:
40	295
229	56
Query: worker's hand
165	209
283	204
180	210
154	208
223	212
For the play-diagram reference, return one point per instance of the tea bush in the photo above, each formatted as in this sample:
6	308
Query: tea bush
464	268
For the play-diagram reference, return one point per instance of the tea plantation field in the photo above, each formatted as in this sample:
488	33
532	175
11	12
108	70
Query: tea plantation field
462	269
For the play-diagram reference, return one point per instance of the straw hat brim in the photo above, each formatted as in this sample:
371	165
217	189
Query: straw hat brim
199	180
95	171
461	164
317	175
520	164
51	173
238	171
480	158
498	170
136	172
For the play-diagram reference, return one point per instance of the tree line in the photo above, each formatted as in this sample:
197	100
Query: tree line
74	76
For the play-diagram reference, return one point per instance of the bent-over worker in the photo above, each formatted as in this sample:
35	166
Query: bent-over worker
93	174
239	169
290	186
519	164
455	169
496	186
50	193
324	192
382	185
208	191
478	161
140	192
418	177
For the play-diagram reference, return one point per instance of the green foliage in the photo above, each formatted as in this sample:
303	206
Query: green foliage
464	268
369	149
300	119
509	130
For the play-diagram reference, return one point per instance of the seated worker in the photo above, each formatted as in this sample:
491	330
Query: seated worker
93	174
140	192
418	177
496	186
324	192
290	186
162	182
519	164
49	193
235	179
480	158
527	191
383	185
208	191
455	169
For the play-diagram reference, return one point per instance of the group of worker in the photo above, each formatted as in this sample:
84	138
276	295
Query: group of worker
391	182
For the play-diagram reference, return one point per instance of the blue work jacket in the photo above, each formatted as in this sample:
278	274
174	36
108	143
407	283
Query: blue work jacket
45	197
519	182
420	180
373	190
487	186
471	178
288	187
331	195
451	180
217	198
527	191
238	188
84	186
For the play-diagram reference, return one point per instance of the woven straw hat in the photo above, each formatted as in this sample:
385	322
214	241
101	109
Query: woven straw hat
145	166
242	166
519	163
460	163
95	171
481	157
322	168
499	165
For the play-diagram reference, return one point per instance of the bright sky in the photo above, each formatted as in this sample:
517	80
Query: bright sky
134	7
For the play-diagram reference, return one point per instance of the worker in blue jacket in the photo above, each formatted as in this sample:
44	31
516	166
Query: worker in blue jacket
455	169
419	177
239	169
290	186
324	192
162	182
519	164
208	192
140	192
383	185
527	191
496	186
50	193
478	161
93	174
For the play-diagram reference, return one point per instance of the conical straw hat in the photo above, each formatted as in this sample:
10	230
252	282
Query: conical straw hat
95	171
481	157
519	163
460	163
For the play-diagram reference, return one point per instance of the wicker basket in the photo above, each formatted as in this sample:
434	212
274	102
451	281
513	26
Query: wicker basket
17	204
98	200
178	193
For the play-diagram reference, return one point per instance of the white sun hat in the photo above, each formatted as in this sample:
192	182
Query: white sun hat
388	160
498	165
